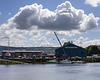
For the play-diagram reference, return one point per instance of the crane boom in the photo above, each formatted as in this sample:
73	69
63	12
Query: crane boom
60	43
57	38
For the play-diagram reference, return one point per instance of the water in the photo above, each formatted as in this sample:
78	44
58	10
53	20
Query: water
89	71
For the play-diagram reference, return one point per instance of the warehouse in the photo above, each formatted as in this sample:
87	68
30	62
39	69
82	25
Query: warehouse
70	50
21	54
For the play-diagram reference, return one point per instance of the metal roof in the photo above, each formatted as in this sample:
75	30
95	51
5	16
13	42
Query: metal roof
19	51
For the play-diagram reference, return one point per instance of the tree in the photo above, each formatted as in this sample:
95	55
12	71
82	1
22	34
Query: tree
93	49
66	43
99	47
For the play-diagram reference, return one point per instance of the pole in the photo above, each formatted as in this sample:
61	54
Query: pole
8	44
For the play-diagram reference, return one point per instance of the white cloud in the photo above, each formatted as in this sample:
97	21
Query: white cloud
32	21
63	40
80	40
13	42
64	18
42	38
84	42
9	13
0	13
98	30
17	37
94	3
35	37
91	42
46	43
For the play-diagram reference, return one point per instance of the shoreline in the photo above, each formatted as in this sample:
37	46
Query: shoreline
44	61
10	62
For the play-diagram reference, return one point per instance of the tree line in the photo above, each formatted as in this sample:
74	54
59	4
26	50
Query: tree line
93	49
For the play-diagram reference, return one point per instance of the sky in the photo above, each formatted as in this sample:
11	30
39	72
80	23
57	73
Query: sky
31	23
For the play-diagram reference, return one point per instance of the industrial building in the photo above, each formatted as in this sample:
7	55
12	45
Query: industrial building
21	54
70	50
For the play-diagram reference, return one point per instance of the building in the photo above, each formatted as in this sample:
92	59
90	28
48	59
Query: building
50	55
70	50
21	54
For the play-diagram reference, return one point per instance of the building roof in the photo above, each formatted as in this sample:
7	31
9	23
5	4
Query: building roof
70	46
20	51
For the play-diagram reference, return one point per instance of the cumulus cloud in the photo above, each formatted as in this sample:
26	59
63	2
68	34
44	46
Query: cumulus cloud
94	3
31	21
85	41
92	42
80	40
41	41
63	40
64	18
64	33
17	37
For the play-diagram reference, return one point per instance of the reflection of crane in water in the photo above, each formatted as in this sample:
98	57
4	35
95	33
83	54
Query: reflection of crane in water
60	44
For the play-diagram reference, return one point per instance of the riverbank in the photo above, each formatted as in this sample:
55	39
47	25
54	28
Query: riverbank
86	60
8	62
45	61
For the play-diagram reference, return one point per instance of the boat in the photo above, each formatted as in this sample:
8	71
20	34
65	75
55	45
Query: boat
77	62
52	61
66	61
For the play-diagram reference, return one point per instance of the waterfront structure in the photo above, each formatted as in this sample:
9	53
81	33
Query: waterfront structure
21	54
70	50
50	55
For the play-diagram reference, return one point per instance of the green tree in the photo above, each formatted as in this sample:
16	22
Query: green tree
87	48
66	43
93	49
99	47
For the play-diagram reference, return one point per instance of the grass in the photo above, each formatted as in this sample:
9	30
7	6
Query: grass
9	62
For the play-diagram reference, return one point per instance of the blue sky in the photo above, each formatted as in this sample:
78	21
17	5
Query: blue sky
38	34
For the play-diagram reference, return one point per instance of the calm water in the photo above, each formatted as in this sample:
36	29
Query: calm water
90	71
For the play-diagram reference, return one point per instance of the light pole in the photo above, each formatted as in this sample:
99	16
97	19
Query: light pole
8	44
